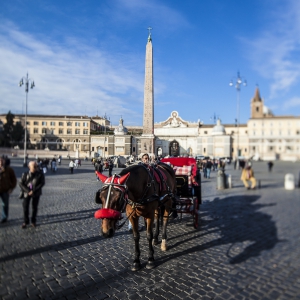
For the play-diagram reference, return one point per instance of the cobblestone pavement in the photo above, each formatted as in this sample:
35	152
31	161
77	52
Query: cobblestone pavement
247	247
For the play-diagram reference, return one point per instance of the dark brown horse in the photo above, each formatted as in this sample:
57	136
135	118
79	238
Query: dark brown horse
138	190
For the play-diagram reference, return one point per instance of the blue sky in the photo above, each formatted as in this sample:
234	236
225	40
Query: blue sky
89	56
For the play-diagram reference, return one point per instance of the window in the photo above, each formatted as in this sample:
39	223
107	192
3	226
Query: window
246	132
85	131
52	123
77	124
51	131
93	148
69	131
44	130
205	132
60	131
279	132
35	123
245	149
84	147
44	123
253	148
61	123
69	123
35	130
105	149
119	149
204	150
77	131
257	109
253	132
28	123
85	124
271	148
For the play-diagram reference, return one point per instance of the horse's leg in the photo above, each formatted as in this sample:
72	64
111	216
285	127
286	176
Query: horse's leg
156	223
150	264
165	217
136	237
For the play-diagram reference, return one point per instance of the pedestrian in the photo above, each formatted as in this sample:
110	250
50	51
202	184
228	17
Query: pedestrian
31	184
76	163
53	165
204	162
71	166
110	167
208	168
8	182
248	175
270	166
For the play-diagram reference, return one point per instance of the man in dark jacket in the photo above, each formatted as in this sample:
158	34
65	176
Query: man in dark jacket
31	184
8	182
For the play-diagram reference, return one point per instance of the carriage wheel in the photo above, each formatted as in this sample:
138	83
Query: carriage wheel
195	212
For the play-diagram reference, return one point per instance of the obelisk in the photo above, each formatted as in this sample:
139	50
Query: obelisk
147	137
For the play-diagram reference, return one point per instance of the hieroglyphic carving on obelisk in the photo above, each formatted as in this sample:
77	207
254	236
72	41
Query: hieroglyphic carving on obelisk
148	121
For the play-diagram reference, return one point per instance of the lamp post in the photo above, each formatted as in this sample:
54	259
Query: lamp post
238	82
26	81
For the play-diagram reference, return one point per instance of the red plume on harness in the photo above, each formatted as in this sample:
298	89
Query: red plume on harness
118	183
107	213
117	180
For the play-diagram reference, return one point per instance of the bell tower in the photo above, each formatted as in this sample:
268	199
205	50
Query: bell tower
257	106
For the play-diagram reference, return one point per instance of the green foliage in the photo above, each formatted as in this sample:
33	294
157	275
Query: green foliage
12	133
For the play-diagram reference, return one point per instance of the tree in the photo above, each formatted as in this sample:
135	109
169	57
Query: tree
11	132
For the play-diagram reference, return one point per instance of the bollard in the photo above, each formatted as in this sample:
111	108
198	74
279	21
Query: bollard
221	184
299	180
259	183
228	181
289	182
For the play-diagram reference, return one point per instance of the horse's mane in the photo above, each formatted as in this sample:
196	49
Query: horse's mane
136	166
129	169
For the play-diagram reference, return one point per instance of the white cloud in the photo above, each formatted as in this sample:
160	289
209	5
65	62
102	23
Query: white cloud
294	102
150	11
276	50
70	79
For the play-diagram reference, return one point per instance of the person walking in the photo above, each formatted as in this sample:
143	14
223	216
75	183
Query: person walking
8	182
110	167
270	166
31	184
208	167
71	166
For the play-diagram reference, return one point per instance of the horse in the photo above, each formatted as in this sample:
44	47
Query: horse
138	190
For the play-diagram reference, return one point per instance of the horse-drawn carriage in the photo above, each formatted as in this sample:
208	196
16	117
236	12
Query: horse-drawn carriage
188	182
149	191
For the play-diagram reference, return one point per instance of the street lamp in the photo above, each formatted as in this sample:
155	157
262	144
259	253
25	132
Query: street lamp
238	82
26	81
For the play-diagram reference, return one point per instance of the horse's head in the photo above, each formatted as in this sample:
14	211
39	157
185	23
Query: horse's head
112	197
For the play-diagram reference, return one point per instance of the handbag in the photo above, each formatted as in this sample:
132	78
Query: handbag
21	195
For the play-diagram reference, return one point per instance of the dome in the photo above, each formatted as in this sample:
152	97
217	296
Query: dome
218	129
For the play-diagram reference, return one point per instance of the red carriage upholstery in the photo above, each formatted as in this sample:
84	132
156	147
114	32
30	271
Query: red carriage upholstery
185	170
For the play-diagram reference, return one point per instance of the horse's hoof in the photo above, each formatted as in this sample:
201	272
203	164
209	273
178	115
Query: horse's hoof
164	246
154	242
135	267
150	265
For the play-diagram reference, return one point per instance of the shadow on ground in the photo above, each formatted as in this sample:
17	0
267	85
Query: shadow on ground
238	223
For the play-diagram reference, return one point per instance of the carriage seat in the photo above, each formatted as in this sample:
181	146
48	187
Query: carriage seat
183	180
